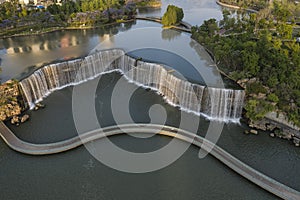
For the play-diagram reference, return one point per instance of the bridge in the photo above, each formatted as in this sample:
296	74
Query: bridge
238	166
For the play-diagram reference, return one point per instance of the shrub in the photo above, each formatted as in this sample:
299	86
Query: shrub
172	16
273	98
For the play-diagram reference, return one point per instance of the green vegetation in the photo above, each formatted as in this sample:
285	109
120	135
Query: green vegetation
253	4
172	16
16	18
256	109
283	9
263	4
9	105
149	3
260	49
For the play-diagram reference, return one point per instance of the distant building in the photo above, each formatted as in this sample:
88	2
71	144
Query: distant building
39	2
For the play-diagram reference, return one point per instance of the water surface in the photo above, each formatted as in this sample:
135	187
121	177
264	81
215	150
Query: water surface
77	175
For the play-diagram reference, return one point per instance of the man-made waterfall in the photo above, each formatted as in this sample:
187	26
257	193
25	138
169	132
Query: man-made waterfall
223	104
214	103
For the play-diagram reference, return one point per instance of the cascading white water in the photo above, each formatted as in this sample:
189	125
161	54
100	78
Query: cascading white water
223	104
214	103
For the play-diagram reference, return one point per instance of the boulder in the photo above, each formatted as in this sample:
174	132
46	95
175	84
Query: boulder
255	132
9	105
261	95
243	82
287	136
2	116
40	105
252	80
16	110
296	141
261	125
24	118
15	120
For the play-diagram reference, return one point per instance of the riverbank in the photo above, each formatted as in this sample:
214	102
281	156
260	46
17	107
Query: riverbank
186	27
149	4
235	7
276	121
54	29
11	103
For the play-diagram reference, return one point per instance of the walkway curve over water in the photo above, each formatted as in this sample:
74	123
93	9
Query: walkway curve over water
241	168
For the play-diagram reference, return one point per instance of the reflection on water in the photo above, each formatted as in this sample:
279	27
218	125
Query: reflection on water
168	34
195	11
151	38
18	54
62	45
77	175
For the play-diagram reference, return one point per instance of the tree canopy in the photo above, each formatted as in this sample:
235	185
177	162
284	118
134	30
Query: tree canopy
262	49
172	16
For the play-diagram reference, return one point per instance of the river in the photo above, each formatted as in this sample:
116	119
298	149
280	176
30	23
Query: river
76	174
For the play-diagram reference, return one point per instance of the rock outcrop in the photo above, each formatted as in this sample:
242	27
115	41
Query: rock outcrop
276	121
279	126
10	106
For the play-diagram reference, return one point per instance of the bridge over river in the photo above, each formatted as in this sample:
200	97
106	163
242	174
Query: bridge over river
241	168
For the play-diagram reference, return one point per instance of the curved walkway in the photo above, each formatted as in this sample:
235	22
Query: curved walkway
186	26
251	174
235	7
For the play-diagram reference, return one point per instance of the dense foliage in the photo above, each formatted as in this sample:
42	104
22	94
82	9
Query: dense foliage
148	3
283	9
15	18
172	16
262	49
263	4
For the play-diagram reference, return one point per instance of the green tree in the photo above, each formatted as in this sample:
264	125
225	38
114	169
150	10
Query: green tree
285	31
250	62
273	97
172	16
53	9
281	11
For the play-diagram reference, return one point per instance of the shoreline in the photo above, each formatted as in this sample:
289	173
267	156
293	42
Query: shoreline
184	24
54	29
65	28
153	6
269	122
235	7
259	125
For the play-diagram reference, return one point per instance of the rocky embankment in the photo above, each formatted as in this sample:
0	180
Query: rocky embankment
279	126
11	103
276	122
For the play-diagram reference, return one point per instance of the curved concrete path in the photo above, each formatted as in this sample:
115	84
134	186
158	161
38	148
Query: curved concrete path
251	174
235	7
